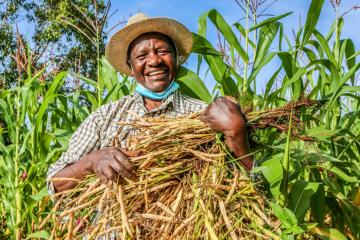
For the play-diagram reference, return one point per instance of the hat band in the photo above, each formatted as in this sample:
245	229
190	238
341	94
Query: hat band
157	95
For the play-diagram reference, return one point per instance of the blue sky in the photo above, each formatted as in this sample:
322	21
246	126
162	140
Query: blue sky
188	12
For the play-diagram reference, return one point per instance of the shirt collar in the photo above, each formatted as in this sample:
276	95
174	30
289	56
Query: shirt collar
172	100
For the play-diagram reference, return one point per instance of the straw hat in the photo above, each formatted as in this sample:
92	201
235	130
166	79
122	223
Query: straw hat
116	49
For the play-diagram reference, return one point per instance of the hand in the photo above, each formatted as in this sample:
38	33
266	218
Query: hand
110	164
224	115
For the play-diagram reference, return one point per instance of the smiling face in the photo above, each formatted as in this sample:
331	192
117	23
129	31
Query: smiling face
153	61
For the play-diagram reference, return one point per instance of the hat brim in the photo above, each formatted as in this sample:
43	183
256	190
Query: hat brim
116	49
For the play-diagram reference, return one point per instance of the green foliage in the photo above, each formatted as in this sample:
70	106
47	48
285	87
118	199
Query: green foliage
38	122
67	32
313	186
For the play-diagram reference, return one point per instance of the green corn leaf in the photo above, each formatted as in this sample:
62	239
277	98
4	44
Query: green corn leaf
85	79
349	52
286	160
192	85
260	65
239	79
270	83
40	195
24	104
340	88
243	33
281	36
216	65
285	215
114	90
329	233
325	47
202	46
227	32
315	45
31	79
7	117
290	68
57	151
43	108
25	141
317	204
91	97
220	72
5	150
266	37
287	83
340	173
312	18
288	63
310	54
331	31
108	75
49	97
83	111
335	76
300	197
269	21
273	173
229	87
349	75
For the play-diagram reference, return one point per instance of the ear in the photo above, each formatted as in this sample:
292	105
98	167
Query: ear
132	70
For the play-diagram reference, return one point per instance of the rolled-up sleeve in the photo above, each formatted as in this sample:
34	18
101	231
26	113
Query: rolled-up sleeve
83	141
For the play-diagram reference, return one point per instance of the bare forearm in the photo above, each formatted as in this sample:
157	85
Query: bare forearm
239	144
78	170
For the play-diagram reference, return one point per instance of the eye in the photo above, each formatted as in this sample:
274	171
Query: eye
163	51
141	57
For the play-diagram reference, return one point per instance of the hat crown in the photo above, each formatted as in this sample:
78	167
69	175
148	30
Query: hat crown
136	18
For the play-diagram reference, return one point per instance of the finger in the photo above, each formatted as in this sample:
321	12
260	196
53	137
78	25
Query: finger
205	114
109	173
122	170
103	179
123	159
203	118
100	175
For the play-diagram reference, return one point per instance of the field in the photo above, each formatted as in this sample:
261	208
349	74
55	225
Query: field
312	182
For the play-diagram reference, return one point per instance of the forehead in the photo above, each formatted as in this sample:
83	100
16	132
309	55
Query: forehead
150	36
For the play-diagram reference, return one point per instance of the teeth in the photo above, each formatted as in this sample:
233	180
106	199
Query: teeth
155	73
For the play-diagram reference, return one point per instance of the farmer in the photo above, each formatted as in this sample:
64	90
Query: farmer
150	50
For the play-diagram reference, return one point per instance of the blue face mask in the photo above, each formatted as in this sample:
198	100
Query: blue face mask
157	95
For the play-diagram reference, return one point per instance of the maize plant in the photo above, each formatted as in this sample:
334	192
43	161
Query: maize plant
309	161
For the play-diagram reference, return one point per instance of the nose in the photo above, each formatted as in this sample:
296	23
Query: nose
154	59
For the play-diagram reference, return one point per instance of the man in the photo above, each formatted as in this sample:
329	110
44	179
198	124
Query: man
150	50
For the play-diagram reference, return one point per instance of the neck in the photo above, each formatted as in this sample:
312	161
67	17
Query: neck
151	104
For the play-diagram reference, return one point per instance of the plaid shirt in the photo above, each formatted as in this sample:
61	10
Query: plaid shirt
100	128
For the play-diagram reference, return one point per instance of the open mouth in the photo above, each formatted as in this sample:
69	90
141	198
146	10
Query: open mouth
156	73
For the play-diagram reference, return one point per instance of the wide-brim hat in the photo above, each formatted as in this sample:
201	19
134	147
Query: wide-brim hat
117	48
